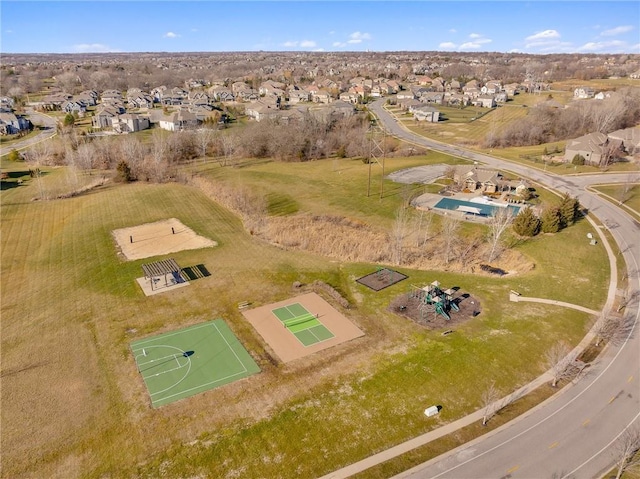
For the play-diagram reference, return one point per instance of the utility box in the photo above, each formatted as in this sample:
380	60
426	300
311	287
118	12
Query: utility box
431	411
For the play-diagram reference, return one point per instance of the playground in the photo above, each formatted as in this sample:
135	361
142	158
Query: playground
301	326
381	279
182	363
435	307
158	238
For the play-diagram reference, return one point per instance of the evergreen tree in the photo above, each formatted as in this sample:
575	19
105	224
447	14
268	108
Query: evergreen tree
69	120
526	223
124	172
551	220
569	210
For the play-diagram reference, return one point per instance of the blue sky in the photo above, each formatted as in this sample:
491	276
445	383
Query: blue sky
194	26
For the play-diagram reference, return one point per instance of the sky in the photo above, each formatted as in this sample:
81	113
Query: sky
535	26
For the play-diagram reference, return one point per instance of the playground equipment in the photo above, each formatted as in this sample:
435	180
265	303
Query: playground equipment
434	299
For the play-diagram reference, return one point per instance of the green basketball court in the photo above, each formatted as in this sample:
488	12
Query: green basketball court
302	324
189	361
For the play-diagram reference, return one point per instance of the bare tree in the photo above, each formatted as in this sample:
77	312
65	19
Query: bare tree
132	152
423	221
499	223
228	144
450	228
399	233
37	156
627	297
560	360
204	137
625	191
158	155
626	451
489	397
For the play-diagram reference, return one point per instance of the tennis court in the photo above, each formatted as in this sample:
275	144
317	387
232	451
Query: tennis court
302	324
182	363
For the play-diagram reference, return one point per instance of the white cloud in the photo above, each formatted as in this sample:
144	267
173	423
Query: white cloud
339	44
515	50
453	30
358	37
609	47
332	32
447	45
8	31
616	31
92	48
469	46
544	35
301	44
318	50
475	35
171	35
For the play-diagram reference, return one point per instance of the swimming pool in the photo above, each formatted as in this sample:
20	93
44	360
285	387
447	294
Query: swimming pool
483	209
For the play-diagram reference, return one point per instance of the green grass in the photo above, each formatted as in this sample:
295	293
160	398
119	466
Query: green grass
63	284
616	193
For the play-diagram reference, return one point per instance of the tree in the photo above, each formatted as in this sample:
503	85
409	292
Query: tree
498	224
204	137
627	187
625	451
578	160
124	172
450	227
398	234
526	223
69	120
13	155
560	360
551	220
569	210
489	397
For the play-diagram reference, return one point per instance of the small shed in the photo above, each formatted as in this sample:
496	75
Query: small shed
154	271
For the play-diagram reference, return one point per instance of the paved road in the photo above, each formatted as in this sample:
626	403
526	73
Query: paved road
572	435
44	121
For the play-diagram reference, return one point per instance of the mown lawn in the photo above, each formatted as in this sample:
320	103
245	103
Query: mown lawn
629	195
75	406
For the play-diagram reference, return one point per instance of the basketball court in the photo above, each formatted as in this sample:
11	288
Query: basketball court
300	326
182	363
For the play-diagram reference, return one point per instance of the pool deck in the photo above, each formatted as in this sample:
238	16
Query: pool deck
428	201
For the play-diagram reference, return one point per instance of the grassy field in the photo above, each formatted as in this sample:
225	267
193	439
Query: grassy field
75	406
616	193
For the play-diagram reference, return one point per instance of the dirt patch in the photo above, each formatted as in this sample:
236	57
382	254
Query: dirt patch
156	239
284	344
381	279
410	306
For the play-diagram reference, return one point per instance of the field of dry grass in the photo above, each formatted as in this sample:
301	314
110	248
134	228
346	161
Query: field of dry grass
73	404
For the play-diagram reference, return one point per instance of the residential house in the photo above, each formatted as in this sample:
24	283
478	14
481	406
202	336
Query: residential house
110	96
595	148
583	92
11	124
88	97
491	88
501	97
472	178
102	118
484	101
259	110
349	97
511	89
321	96
635	75
405	95
73	106
630	138
129	123
432	97
425	113
179	121
298	96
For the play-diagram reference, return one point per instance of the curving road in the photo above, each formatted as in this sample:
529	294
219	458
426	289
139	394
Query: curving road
43	121
573	434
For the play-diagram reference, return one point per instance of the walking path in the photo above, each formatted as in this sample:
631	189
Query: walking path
423	439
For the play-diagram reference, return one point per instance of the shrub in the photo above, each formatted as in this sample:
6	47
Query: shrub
578	160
